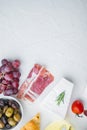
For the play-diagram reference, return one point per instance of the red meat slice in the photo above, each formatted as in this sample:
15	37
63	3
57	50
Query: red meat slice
35	70
22	89
31	76
38	85
43	80
29	98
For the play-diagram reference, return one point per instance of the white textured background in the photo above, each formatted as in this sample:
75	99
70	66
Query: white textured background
50	32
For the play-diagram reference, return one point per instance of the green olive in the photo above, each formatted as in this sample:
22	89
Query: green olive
0	110
1	124
1	113
12	122
5	108
16	111
9	111
17	117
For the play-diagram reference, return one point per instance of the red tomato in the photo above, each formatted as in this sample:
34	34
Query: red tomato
77	107
85	112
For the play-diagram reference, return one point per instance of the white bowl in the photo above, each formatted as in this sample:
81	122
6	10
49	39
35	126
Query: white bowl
21	109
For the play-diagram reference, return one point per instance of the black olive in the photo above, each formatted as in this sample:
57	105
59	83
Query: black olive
10	102
15	105
6	102
1	103
8	126
4	119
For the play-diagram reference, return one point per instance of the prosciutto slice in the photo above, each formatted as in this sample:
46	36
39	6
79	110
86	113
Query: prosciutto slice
38	79
31	76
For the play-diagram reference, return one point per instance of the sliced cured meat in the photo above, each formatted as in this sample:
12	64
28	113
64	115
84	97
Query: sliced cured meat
38	79
28	97
35	70
43	80
31	76
38	85
22	89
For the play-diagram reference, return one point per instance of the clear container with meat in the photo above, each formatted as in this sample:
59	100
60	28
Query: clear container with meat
38	79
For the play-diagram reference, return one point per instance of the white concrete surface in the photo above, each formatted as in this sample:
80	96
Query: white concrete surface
50	32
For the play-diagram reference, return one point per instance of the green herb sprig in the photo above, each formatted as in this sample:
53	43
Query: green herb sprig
60	98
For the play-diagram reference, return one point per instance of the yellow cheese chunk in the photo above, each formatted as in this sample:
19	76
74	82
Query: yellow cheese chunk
61	125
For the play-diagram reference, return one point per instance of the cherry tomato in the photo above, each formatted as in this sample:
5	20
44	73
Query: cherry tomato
85	112
77	107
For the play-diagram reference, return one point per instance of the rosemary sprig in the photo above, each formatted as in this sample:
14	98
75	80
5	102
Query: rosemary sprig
60	98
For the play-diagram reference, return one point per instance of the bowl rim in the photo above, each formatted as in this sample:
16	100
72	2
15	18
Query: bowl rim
21	108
